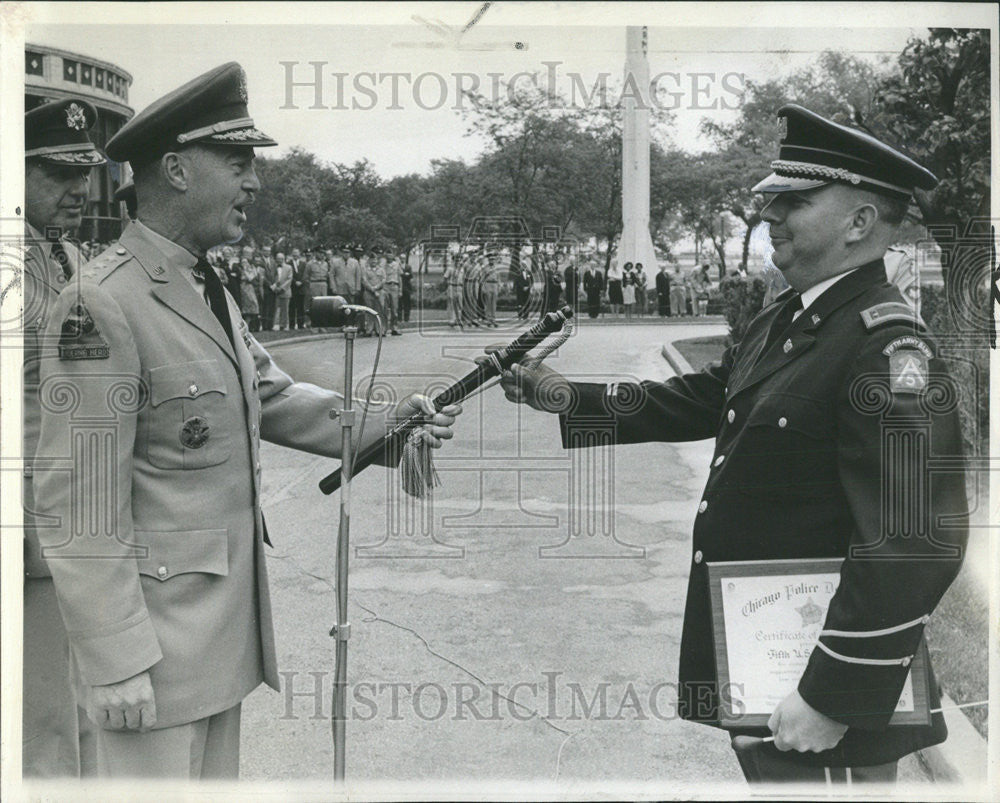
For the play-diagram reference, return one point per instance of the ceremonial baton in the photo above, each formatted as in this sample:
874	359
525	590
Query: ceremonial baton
496	363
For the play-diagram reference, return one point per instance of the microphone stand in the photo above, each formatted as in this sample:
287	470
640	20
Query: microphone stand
341	631
334	311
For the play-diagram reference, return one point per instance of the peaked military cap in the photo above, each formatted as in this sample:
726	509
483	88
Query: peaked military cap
59	133
210	109
125	191
815	151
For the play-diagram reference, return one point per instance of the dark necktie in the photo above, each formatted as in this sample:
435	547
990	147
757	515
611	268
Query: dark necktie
59	254
782	321
216	296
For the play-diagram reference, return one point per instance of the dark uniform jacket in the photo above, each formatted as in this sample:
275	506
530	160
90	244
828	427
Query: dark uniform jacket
798	472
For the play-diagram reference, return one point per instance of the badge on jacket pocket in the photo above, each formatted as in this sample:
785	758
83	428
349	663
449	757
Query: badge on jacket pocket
194	432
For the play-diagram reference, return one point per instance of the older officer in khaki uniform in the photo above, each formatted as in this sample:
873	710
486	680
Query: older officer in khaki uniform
155	398
59	156
824	418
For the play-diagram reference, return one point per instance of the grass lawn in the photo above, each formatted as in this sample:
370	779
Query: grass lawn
701	351
958	633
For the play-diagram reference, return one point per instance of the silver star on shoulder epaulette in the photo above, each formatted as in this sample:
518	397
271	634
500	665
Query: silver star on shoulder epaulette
811	613
75	117
243	86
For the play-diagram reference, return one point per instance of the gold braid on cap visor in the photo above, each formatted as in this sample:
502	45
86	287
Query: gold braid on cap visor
784	167
809	170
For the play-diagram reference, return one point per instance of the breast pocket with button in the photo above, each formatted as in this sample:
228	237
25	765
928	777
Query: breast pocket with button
788	448
186	423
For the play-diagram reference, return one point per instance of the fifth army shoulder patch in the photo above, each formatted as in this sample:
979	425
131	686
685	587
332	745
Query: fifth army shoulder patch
908	359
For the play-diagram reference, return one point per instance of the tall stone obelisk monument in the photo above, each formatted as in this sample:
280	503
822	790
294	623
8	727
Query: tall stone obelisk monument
636	244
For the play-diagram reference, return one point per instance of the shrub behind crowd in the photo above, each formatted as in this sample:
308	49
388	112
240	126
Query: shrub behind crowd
742	298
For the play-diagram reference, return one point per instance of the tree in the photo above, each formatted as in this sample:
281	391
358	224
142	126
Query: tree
938	104
290	202
839	86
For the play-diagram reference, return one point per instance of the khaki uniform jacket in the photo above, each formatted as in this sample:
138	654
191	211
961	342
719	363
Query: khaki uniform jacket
153	479
44	279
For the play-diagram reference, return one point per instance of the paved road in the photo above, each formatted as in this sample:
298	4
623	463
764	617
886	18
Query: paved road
492	585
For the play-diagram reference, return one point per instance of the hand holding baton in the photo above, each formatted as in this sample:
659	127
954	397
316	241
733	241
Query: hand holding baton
496	363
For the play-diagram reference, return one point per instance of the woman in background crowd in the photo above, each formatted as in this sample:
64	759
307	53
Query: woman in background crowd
615	285
640	289
628	290
250	270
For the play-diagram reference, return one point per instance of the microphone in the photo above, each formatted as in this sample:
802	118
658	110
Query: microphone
496	364
334	311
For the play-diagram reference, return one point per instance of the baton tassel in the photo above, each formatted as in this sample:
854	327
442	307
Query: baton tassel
416	469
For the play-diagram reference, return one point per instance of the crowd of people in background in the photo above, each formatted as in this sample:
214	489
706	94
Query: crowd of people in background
275	289
542	282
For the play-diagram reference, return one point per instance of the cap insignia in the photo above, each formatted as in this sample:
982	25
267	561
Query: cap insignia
783	128
75	117
243	86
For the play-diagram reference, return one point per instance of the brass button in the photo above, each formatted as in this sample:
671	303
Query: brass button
731	416
703	506
258	467
698	556
120	251
906	661
925	618
782	422
193	390
718	460
162	572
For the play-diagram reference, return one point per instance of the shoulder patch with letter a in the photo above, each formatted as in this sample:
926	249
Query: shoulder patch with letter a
907	371
80	339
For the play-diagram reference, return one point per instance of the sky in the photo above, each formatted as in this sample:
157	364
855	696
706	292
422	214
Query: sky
703	69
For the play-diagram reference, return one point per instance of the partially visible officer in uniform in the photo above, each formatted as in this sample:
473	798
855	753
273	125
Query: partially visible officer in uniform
155	398
59	156
800	411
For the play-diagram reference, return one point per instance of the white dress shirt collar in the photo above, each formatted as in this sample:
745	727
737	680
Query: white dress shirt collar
814	292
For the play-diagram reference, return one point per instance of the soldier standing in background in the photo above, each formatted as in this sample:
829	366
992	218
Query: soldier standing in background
297	306
58	158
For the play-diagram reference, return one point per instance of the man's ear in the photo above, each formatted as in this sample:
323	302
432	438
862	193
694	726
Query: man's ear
861	223
176	170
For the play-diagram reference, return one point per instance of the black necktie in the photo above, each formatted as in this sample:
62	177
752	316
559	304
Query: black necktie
216	296
782	321
59	255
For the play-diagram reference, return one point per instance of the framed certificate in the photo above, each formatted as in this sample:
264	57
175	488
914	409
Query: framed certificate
766	619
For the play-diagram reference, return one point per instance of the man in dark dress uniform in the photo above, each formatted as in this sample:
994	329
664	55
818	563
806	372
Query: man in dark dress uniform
825	418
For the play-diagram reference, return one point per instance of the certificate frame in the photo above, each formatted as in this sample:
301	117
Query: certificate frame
798	568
